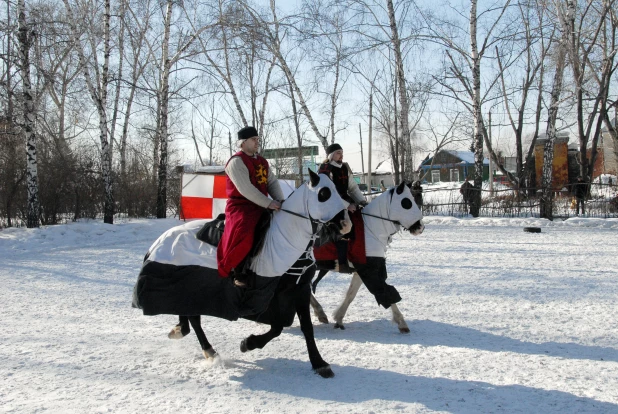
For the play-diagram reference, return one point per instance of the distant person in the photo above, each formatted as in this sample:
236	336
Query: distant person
382	186
467	193
249	180
579	192
417	193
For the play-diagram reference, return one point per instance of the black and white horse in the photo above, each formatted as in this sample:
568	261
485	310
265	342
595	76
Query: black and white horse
384	216
179	275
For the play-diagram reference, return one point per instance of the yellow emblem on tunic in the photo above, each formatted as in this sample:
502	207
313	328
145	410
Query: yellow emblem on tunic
260	175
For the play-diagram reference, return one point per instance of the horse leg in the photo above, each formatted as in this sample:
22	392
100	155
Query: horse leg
399	320
318	364
321	274
181	330
259	341
340	312
207	349
317	309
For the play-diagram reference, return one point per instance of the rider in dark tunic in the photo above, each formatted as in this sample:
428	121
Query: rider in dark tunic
341	175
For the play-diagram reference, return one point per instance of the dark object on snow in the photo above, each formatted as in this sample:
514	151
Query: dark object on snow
532	229
212	231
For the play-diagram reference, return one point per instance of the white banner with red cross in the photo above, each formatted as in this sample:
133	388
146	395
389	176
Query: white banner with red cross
203	194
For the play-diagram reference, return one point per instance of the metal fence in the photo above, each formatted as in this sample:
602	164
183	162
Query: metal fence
441	201
506	202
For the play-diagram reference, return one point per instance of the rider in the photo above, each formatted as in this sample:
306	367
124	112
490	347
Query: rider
249	180
341	175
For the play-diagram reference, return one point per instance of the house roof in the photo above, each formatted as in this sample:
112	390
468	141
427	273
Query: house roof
466	157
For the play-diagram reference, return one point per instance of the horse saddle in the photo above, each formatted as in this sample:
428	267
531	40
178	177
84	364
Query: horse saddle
212	232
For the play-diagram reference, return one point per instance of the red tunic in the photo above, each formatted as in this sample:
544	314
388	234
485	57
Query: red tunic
241	216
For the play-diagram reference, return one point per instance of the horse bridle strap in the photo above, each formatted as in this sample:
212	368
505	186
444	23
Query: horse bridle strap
297	215
381	218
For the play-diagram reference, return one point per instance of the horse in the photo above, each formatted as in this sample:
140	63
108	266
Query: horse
384	216
179	275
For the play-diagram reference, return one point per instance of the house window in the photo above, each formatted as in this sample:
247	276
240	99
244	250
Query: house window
454	175
435	176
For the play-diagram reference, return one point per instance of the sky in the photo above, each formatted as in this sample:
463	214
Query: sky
501	321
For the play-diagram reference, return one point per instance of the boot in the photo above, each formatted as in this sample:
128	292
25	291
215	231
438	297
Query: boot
342	256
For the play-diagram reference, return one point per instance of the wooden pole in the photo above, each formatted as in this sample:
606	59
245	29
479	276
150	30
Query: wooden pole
360	138
368	180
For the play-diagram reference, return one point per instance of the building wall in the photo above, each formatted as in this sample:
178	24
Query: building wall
445	173
610	157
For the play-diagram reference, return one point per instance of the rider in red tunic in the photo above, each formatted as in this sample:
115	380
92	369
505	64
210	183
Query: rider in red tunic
249	180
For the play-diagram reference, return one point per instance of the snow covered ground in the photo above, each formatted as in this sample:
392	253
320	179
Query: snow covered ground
501	320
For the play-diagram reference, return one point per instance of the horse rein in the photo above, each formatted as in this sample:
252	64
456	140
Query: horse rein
299	215
382	218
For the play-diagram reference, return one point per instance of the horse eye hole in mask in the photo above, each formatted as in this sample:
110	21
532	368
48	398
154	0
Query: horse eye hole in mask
406	203
324	194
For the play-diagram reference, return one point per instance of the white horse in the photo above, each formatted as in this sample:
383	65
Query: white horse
179	275
384	216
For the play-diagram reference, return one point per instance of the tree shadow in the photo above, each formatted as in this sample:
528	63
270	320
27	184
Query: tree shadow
357	385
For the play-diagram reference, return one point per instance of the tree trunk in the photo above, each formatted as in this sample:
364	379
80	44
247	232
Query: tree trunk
298	136
106	144
546	204
25	41
163	109
475	204
404	105
98	93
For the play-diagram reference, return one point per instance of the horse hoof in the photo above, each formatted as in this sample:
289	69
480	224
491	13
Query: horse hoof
339	326
209	353
405	330
325	372
243	346
176	333
323	319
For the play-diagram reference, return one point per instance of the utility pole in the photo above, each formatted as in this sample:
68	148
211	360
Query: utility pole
368	180
491	166
360	136
229	137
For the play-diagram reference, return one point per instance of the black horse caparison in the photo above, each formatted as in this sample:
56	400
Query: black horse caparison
290	299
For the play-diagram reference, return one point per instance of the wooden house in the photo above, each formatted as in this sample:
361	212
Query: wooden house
451	166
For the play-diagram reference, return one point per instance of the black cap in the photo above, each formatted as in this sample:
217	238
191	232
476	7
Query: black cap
247	132
332	148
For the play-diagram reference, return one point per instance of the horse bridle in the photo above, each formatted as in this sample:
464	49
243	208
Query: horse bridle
382	218
387	219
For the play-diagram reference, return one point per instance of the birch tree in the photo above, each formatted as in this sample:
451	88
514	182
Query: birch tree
592	49
167	61
546	202
523	59
463	65
272	40
325	38
25	39
98	89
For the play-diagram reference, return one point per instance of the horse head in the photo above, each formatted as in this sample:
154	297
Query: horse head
404	210
323	201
